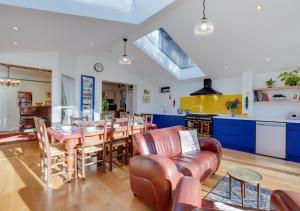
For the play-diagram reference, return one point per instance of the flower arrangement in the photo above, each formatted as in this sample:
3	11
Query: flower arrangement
232	105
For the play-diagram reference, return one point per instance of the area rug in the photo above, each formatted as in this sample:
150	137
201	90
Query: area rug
220	193
7	138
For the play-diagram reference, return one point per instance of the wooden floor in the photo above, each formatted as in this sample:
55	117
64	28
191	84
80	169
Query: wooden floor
22	189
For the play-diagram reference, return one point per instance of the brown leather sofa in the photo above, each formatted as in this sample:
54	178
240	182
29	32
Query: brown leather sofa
158	164
285	200
188	197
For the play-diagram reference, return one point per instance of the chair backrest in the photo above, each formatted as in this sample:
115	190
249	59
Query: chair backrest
119	128
149	118
123	114
76	120
37	129
38	132
44	137
138	124
107	116
94	133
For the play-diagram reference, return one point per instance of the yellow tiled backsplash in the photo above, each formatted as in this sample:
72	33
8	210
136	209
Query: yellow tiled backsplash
209	103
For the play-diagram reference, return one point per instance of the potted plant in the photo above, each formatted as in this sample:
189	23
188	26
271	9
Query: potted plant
290	78
232	106
105	104
270	83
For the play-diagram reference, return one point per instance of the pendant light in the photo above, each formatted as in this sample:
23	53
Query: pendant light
125	59
204	27
9	82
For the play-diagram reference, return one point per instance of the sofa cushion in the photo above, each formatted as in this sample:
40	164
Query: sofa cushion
197	164
164	142
188	142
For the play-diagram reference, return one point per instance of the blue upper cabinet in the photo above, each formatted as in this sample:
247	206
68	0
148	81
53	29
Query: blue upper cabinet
163	121
293	142
235	134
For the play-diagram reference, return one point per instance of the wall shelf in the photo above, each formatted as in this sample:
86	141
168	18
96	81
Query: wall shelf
277	88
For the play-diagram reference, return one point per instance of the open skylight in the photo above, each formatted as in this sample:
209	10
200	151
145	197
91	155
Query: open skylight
160	46
123	5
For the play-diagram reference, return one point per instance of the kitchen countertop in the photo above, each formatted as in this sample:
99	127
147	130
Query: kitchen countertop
167	114
265	119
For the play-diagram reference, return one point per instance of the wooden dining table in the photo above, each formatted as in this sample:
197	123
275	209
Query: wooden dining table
72	138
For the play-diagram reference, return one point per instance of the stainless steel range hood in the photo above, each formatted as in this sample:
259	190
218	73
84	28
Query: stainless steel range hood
207	90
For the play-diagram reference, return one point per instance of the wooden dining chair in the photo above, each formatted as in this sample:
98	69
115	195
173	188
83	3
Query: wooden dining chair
93	144
77	120
139	124
123	114
149	118
54	155
38	135
119	139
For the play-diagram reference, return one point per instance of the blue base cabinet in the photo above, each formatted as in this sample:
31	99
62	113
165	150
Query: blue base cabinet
235	134
293	142
163	121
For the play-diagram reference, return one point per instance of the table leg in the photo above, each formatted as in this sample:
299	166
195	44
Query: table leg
242	193
230	180
70	147
245	190
258	196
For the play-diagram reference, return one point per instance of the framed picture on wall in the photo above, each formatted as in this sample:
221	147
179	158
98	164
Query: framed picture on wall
146	99
295	97
87	96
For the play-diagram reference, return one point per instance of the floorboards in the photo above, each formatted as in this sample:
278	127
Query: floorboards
21	187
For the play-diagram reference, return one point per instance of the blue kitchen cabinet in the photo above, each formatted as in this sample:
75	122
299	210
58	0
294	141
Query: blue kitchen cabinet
235	134
163	121
293	142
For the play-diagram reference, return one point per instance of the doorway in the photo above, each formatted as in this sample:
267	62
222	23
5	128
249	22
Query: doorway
26	93
117	98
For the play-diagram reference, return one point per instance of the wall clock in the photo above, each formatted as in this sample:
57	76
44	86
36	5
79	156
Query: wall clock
99	67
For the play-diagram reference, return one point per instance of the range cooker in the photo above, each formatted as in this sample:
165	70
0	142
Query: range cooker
202	122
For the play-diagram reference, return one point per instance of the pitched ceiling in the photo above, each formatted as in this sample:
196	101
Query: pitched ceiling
243	40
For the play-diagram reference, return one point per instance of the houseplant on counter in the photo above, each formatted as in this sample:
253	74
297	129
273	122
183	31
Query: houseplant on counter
270	83
291	78
232	106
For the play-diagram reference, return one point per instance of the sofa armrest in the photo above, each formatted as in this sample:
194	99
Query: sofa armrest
154	167
285	200
153	178
211	144
188	195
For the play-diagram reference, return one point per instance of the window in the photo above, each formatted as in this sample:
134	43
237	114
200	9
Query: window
164	50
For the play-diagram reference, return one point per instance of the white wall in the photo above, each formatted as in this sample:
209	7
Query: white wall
274	110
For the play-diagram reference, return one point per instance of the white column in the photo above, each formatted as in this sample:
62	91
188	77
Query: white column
247	90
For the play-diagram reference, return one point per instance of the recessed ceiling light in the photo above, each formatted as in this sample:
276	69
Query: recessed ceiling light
15	43
268	59
259	7
92	44
15	28
226	67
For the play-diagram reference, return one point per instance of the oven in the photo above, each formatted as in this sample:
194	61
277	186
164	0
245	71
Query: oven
203	123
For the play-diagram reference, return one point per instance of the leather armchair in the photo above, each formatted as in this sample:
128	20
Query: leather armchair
158	164
285	200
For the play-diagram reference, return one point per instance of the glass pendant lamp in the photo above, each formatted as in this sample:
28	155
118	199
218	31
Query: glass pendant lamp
204	27
125	59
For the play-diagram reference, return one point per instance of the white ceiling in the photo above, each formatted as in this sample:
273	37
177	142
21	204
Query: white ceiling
130	11
244	37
